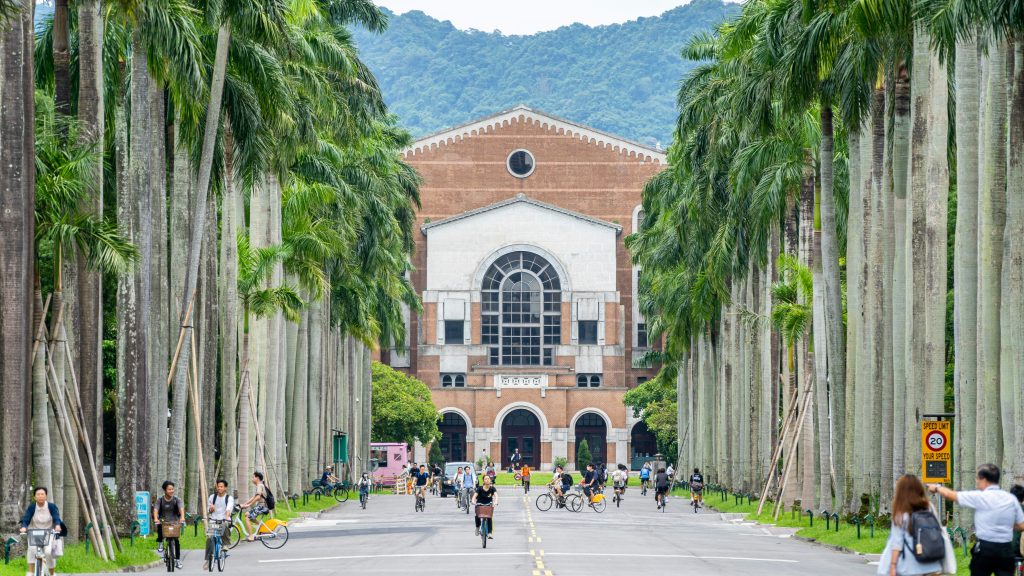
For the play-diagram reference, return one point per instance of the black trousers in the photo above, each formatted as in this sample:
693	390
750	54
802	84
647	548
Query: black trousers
992	558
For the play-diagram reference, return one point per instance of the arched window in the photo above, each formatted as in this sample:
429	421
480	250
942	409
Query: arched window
521	310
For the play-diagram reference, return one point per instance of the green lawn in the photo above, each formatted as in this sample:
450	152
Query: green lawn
77	560
845	537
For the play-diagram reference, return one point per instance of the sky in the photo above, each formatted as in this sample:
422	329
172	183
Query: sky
529	16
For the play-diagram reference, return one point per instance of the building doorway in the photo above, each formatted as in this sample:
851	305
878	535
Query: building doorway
520	429
453	437
644	445
592	428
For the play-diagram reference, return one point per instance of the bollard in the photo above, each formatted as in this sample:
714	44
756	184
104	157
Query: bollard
7	549
870	519
857	522
827	518
136	527
835	520
810	515
87	539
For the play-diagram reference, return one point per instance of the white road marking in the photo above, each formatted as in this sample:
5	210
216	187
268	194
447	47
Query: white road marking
681	556
368	556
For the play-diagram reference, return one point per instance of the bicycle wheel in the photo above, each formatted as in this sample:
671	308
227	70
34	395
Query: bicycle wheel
599	505
544	502
484	527
574	502
276	538
211	552
341	494
232	536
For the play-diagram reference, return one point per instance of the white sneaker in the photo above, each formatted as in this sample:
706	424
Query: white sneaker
160	548
177	564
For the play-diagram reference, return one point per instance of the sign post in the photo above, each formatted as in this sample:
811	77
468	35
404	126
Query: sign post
936	452
142	513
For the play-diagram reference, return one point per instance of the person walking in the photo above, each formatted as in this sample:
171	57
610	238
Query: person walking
997	514
517	460
44	515
897	559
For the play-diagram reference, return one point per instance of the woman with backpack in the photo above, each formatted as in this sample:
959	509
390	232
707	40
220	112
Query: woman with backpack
916	544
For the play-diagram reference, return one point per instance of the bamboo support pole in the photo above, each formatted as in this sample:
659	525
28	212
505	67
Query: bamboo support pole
261	445
41	330
193	393
181	340
790	459
776	454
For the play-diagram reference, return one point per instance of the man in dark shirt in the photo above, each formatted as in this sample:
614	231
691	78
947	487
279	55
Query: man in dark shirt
589	481
661	484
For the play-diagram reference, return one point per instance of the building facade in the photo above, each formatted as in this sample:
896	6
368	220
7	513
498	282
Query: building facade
529	326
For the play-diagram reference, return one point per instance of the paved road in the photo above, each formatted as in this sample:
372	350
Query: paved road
389	537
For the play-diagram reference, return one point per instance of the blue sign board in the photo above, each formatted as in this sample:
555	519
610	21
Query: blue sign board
142	512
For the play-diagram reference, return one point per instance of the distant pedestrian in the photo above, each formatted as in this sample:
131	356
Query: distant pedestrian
898	558
525	473
1018	543
997	514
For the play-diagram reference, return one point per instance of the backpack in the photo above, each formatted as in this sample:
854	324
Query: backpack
269	498
645	473
926	532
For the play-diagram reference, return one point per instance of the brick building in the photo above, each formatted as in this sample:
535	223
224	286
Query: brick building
529	326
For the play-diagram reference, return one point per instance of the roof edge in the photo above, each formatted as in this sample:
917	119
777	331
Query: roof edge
524	113
517	199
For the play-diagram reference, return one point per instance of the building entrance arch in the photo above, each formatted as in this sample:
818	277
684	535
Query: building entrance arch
644	445
453	430
520	429
591	426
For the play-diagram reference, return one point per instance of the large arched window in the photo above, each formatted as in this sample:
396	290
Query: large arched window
521	311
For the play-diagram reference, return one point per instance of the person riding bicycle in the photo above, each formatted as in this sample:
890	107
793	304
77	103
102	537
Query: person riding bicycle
619	479
257	505
525	474
645	476
168	509
485	494
328	479
364	486
671	473
602	477
422	480
590	481
41	514
661	485
468	484
697	486
219	506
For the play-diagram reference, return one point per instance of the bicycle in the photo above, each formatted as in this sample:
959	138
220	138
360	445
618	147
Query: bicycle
271	532
216	552
40	539
485	512
364	495
421	500
619	492
545	500
662	500
464	497
172	547
695	501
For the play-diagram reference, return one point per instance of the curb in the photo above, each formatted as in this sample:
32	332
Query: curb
833	547
141	567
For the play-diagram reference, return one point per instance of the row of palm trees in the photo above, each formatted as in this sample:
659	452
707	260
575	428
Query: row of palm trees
842	219
227	177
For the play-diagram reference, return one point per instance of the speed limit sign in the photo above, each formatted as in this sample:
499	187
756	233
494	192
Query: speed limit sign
936	452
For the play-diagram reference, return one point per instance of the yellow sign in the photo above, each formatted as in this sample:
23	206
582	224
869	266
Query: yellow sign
936	451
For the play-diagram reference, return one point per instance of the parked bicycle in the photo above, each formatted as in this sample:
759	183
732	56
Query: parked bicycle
273	533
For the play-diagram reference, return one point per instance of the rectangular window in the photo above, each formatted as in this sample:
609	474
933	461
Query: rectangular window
588	331
454	331
641	335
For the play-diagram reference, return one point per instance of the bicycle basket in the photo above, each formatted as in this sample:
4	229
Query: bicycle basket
171	530
215	527
39	537
484	511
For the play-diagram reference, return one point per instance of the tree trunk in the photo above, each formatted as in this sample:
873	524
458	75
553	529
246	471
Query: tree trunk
91	120
965	264
1012	299
159	332
991	220
854	263
61	59
887	242
805	356
900	164
41	456
231	219
135	222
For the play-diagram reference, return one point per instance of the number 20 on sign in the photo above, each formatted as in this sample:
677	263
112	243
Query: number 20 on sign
936	451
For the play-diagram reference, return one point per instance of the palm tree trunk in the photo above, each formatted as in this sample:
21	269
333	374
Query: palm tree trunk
91	119
242	471
805	355
1011	375
61	59
854	283
231	218
159	331
297	405
41	456
991	220
199	205
900	164
135	222
965	263
319	322
887	242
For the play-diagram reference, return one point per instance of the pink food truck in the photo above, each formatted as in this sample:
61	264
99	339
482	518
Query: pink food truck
387	460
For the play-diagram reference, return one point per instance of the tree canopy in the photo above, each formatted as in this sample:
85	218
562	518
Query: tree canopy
402	408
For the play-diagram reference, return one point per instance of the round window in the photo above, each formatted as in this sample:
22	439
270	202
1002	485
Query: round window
521	163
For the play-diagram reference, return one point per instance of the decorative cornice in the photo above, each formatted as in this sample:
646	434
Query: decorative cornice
548	122
520	198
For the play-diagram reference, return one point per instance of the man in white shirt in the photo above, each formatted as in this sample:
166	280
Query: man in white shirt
996	515
220	506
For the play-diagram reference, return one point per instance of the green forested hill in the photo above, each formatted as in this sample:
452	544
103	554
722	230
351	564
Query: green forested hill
620	78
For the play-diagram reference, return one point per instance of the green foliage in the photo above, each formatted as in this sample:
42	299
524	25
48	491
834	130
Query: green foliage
655	401
583	456
402	410
435	456
561	461
619	78
791	299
